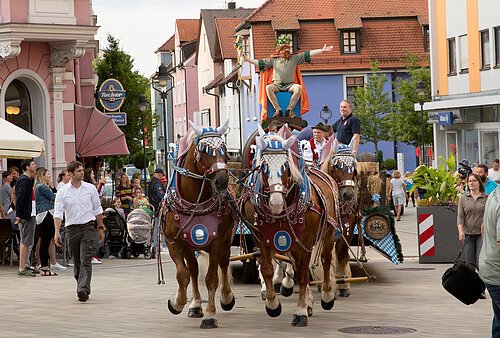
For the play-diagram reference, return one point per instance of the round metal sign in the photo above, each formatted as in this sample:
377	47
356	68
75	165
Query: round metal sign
282	240
377	225
111	94
199	234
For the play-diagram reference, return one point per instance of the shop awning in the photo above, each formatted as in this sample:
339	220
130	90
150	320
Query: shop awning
97	134
15	142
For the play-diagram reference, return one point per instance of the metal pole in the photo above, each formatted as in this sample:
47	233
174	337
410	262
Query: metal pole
163	95
423	131
144	155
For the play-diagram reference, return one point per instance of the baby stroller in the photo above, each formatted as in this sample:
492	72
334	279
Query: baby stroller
140	227
116	233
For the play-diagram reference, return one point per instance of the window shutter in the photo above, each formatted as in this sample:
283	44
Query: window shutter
464	53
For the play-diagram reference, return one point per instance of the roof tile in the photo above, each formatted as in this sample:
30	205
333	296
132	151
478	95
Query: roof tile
225	32
187	29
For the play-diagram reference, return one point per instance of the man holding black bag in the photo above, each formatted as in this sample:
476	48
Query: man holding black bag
489	258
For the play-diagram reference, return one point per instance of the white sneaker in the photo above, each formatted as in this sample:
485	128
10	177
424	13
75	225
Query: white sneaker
57	266
163	249
96	260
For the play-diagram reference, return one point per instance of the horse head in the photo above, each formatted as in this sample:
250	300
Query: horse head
277	169
342	167
210	155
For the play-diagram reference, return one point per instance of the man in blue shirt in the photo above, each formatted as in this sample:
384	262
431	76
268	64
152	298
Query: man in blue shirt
347	129
489	185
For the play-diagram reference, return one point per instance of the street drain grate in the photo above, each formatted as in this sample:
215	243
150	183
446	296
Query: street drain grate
414	269
377	330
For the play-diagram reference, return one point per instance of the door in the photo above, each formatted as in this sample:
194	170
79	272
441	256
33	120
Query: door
489	146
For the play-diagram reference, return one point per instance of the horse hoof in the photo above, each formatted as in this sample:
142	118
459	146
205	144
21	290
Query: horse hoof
277	287
209	324
195	312
309	311
344	293
299	321
229	306
327	305
274	313
263	295
172	309
286	292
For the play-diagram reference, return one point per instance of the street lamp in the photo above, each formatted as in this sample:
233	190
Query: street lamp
421	91
143	104
162	76
325	113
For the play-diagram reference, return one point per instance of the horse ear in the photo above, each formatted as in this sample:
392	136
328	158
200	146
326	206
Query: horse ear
223	129
289	142
261	131
261	144
196	128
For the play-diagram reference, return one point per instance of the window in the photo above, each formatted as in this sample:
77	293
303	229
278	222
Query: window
350	42
353	83
485	49
205	117
497	46
464	53
427	40
294	42
452	63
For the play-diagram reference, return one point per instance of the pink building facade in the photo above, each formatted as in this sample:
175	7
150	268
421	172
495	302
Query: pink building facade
46	50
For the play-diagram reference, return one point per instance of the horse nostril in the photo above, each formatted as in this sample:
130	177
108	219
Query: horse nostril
221	183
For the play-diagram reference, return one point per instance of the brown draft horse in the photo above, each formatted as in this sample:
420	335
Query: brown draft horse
341	165
290	216
196	216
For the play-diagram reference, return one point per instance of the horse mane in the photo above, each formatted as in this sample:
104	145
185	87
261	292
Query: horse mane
294	171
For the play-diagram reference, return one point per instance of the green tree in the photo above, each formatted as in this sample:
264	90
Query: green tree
405	121
372	107
117	64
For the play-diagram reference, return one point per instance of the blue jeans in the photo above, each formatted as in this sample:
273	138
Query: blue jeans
155	234
494	291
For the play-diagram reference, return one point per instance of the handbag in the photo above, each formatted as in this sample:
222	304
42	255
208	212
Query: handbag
463	282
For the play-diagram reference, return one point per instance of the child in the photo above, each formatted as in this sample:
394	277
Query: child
117	204
140	201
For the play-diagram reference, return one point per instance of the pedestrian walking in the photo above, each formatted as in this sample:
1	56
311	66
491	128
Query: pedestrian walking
25	215
79	203
489	258
397	191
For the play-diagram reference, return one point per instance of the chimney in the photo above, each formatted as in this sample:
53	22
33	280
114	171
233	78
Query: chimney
231	5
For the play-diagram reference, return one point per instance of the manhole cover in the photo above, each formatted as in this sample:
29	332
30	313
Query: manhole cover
377	330
414	269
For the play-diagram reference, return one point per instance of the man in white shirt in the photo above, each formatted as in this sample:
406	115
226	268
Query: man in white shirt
494	172
79	203
312	148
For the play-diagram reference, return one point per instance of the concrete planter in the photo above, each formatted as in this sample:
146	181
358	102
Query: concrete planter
437	234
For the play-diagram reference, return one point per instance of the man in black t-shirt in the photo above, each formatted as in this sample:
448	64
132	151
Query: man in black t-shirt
347	128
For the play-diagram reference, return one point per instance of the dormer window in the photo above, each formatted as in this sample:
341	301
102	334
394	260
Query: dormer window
294	42
349	42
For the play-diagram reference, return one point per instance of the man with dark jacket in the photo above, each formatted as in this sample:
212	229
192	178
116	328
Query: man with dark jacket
156	194
25	214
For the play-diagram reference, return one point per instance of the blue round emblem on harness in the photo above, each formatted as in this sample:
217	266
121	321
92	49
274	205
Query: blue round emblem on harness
282	240
199	234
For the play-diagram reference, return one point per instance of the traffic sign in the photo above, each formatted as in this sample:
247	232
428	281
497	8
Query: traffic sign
170	156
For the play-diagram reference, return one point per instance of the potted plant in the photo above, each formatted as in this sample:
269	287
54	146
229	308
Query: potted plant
437	211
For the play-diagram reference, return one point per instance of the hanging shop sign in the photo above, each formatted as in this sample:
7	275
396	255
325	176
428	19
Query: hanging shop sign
111	94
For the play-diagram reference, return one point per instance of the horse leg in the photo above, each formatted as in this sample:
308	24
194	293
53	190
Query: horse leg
345	269
273	305
300	315
328	287
227	299
278	275
262	284
309	301
177	302
195	310
287	283
212	282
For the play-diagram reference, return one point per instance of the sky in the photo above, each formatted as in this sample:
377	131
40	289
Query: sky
143	26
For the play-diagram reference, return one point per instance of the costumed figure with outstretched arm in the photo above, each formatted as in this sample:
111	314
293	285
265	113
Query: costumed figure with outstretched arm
284	72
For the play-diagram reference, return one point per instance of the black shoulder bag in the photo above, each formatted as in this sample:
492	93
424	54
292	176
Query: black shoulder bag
463	282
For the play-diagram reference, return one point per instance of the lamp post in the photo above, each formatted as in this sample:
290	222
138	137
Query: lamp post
162	77
143	104
325	113
421	91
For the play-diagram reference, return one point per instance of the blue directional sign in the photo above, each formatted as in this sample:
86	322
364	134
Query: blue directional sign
446	118
119	118
111	94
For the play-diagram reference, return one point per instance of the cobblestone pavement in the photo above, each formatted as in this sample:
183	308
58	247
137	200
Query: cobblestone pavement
126	301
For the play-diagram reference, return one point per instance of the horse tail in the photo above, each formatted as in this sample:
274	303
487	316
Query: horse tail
315	264
204	262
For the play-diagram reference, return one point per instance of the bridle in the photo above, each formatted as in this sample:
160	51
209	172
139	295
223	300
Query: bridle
346	162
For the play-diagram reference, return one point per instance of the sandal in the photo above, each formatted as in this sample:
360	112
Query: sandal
47	272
